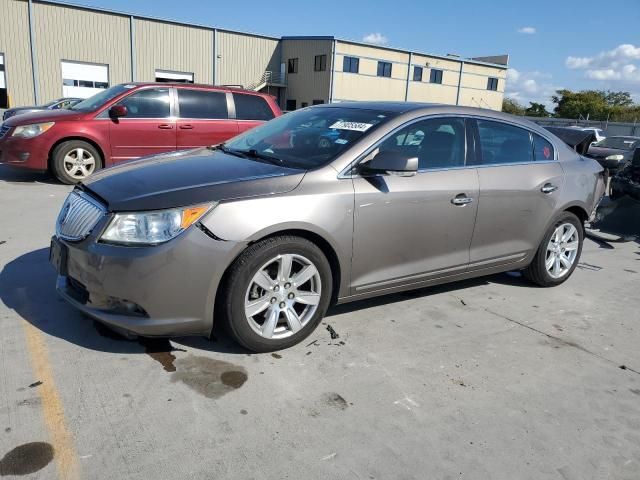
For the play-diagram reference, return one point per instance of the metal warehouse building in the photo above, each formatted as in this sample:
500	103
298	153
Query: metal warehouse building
50	49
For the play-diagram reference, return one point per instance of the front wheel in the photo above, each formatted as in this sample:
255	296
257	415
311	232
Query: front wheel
74	160
559	253
276	293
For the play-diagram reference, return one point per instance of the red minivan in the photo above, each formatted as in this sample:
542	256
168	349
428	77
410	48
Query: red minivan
129	121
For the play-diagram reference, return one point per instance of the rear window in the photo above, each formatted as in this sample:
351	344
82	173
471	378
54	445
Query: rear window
202	104
504	143
252	107
542	149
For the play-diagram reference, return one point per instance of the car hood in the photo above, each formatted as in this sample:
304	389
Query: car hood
603	152
188	178
44	116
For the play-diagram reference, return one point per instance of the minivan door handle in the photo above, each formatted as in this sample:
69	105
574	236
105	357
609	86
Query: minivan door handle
548	188
461	200
165	126
186	127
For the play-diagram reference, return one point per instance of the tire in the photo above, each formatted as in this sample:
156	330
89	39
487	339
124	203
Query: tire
87	157
537	272
271	327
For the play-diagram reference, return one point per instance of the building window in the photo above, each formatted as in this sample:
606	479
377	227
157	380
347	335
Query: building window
384	69
304	104
435	76
492	84
351	64
292	65
291	105
317	102
417	74
320	63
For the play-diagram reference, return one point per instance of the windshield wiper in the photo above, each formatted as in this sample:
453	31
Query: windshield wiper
252	153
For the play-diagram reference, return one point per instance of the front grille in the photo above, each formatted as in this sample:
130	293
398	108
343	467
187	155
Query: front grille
79	214
3	130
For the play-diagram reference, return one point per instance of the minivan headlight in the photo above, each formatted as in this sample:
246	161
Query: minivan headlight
152	228
615	157
33	130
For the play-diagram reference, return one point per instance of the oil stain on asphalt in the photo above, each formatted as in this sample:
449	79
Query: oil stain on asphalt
209	377
26	459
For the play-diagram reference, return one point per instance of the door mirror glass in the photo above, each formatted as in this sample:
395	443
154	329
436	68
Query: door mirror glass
118	111
392	162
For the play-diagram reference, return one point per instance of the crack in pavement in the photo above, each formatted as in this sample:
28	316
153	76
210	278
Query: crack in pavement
560	340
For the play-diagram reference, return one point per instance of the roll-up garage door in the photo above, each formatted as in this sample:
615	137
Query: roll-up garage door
83	79
169	76
4	101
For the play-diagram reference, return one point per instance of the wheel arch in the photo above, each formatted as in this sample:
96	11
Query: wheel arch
80	138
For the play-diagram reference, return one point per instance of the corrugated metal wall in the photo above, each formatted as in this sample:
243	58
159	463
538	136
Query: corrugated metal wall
64	33
14	43
244	58
166	46
307	85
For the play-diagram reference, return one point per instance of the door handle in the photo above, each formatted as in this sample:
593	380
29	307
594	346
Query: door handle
165	126
548	188
186	127
461	200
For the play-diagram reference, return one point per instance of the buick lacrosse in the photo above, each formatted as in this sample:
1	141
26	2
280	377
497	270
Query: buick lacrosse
328	204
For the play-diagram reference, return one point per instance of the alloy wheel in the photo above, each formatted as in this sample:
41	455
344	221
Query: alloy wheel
79	163
562	250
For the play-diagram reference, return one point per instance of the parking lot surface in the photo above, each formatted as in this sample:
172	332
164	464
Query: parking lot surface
484	379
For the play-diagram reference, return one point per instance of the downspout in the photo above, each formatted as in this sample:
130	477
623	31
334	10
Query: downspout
406	90
215	56
459	83
132	47
34	63
333	69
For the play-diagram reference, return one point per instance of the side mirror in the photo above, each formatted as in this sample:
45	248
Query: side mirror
118	111
394	163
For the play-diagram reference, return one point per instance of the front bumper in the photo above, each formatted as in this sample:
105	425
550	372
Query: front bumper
27	153
166	290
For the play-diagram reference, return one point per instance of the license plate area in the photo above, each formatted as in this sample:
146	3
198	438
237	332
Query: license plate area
58	256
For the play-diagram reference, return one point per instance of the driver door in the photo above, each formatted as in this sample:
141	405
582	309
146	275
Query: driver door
412	229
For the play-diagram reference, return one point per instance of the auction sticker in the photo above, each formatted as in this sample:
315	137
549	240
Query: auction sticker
355	126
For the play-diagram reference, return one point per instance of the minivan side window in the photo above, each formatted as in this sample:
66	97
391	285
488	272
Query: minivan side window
503	143
437	142
148	103
202	104
542	149
252	107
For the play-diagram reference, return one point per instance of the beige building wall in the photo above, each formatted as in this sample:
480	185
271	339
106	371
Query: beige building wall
474	93
307	85
64	33
244	58
167	46
424	91
14	44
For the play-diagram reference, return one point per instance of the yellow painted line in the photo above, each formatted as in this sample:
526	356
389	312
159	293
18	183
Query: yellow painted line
61	438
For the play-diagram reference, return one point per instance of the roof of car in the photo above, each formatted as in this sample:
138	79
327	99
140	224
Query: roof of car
235	88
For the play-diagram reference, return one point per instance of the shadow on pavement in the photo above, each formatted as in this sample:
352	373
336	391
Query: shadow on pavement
25	177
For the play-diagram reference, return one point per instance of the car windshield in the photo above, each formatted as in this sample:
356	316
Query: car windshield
310	137
95	102
620	143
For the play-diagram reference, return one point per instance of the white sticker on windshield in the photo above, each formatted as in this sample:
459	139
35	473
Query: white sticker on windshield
341	141
355	126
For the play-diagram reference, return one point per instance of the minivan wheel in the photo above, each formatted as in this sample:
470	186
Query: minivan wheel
276	293
74	160
559	253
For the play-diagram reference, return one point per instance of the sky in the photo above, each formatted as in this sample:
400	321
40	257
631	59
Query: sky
557	44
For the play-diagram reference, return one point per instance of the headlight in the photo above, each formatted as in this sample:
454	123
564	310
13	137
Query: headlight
33	130
152	228
615	157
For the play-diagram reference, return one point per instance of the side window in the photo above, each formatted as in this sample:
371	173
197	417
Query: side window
542	149
504	143
149	103
251	107
202	104
438	142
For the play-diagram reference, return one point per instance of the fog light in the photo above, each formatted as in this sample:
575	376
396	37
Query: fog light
23	156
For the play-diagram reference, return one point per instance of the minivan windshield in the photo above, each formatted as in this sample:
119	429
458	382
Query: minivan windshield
308	138
99	99
620	143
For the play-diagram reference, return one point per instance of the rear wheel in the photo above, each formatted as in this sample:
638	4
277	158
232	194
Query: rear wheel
276	293
559	253
74	160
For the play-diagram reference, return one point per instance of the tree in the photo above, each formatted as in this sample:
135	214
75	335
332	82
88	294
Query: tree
536	110
596	105
512	106
619	99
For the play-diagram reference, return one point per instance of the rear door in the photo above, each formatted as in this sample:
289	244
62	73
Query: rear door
147	129
251	110
203	118
411	229
520	181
